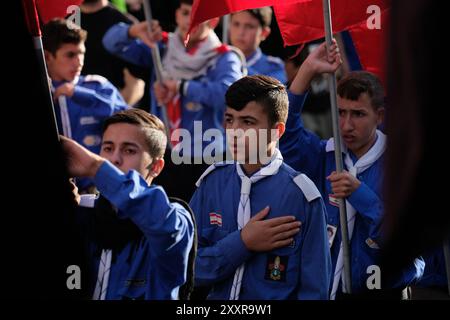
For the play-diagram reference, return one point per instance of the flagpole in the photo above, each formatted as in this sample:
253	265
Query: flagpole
157	65
225	27
337	150
32	20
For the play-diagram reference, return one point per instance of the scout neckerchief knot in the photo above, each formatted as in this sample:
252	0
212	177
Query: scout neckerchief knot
244	207
365	162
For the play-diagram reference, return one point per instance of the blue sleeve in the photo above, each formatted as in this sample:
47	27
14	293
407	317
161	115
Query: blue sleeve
219	260
301	149
370	207
117	42
434	273
168	227
315	273
98	95
211	91
279	73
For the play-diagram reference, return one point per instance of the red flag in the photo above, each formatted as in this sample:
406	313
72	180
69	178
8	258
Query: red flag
303	22
370	45
203	10
49	9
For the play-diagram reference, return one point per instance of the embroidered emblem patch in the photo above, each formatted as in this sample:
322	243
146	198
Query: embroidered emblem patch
276	267
215	218
92	140
193	106
333	200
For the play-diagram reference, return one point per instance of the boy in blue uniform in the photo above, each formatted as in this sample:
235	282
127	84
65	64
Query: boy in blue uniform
249	211
137	240
195	77
82	102
360	103
248	29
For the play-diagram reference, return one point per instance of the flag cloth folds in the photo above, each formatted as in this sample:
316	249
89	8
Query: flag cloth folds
303	22
370	45
49	9
203	10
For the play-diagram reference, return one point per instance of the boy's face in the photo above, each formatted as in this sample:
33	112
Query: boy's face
246	32
183	16
358	122
67	62
124	146
249	134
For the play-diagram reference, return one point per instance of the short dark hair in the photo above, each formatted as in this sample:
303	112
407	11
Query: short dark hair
154	129
188	2
267	91
58	32
356	83
263	15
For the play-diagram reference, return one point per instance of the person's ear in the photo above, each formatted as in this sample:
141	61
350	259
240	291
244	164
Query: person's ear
265	33
280	128
156	167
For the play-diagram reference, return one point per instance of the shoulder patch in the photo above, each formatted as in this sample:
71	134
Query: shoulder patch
95	78
308	187
275	60
210	169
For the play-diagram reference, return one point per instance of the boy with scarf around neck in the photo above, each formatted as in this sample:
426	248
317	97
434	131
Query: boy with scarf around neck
361	109
82	103
195	77
138	241
249	210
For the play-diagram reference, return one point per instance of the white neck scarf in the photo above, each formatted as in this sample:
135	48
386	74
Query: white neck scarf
179	64
64	110
363	163
244	213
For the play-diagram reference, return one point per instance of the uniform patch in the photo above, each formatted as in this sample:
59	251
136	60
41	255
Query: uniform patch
193	106
331	230
276	267
88	120
372	244
92	140
333	200
215	218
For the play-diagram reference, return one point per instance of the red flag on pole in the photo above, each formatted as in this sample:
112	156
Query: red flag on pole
203	10
303	22
49	9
